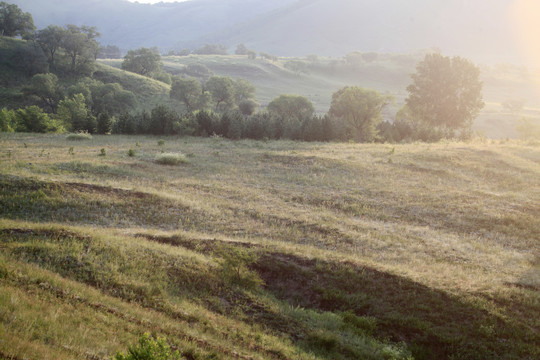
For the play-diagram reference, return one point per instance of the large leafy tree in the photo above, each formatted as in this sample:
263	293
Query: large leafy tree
50	40
46	89
222	90
189	91
361	110
142	61
15	22
445	93
291	107
80	45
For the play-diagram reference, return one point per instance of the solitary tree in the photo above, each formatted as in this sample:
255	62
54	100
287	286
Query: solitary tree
142	61
291	107
361	110
222	90
445	93
50	40
80	45
15	22
187	90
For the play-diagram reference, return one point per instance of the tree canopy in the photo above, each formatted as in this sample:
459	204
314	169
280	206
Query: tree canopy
446	92
142	61
361	109
15	22
188	91
291	106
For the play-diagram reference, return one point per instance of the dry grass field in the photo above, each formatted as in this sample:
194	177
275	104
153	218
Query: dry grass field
269	250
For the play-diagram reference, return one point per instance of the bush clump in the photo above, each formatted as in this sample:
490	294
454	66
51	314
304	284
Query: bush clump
79	136
171	159
149	348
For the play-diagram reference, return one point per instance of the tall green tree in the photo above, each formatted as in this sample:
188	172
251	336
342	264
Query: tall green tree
188	91
142	61
291	106
81	46
50	40
46	89
15	22
75	114
222	90
243	90
33	119
360	109
445	93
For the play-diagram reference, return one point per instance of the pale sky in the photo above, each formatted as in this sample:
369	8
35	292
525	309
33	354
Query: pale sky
154	1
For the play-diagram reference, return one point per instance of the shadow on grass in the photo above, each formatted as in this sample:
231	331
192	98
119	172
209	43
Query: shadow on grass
434	324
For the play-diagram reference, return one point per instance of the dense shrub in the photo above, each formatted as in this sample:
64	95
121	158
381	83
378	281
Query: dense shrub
33	119
149	348
171	159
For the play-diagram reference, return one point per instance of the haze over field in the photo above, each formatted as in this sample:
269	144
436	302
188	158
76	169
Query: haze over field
488	31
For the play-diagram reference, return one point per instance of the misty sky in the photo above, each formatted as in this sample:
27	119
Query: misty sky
154	1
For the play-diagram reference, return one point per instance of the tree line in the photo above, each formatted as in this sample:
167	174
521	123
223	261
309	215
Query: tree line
444	97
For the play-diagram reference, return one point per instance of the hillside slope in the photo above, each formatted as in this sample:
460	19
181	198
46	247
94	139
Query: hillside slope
481	30
269	250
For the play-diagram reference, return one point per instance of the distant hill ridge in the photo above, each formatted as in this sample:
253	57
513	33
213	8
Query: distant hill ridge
480	30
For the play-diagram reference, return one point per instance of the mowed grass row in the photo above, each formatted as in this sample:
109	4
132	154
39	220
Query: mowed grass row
434	246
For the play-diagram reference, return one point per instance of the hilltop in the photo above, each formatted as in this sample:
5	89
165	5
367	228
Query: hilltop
481	30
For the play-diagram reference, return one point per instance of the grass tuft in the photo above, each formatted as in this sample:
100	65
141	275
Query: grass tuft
171	159
79	136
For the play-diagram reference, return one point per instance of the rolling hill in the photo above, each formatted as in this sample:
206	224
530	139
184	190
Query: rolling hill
481	30
269	250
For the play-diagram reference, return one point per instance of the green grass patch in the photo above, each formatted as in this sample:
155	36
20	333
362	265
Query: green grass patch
171	159
79	137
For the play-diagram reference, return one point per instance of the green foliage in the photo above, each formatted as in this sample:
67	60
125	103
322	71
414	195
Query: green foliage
149	348
445	93
162	76
131	153
171	159
248	106
162	120
186	126
78	137
110	52
188	91
235	263
50	39
142	61
7	120
15	22
75	115
45	88
211	49
361	109
297	66
104	123
102	152
222	90
33	119
243	90
198	70
161	142
81	47
291	106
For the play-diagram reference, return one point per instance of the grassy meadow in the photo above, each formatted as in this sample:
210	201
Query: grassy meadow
269	250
